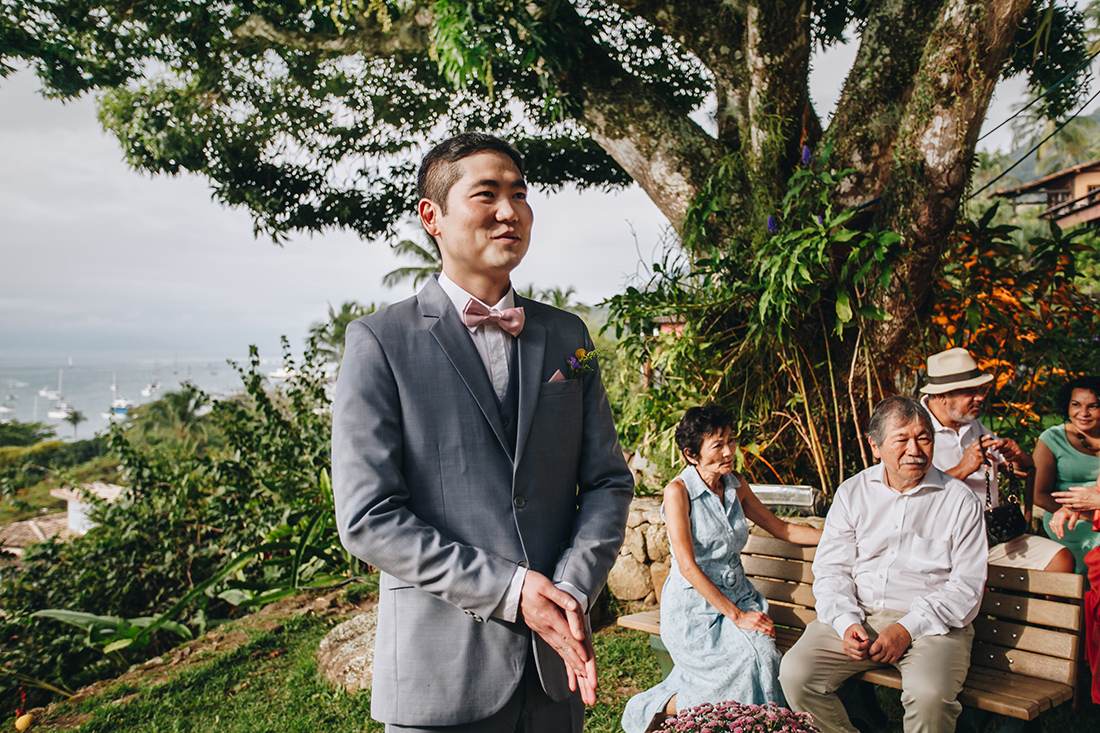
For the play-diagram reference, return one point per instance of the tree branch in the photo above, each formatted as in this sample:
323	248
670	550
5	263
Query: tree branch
408	33
935	145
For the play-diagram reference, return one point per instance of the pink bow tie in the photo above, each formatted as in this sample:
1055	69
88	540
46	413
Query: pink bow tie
476	313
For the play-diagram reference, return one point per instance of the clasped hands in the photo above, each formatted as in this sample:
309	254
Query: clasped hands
1075	501
887	648
1007	447
556	616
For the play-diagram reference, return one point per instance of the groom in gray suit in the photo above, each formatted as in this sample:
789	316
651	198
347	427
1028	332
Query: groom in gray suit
477	467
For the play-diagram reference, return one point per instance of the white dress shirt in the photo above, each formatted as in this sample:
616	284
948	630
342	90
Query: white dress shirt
493	343
922	552
951	445
494	346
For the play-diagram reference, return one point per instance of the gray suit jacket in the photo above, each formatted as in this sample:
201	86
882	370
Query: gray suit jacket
427	491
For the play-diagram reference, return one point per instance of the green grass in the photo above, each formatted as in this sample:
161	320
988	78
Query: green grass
270	683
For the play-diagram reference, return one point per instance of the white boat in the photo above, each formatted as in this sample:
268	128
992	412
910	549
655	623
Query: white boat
282	373
120	410
5	409
50	394
150	389
60	411
120	406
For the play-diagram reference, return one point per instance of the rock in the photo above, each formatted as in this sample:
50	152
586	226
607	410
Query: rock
346	655
656	543
633	519
634	544
658	573
629	579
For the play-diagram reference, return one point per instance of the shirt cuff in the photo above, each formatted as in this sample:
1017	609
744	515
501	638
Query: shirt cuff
508	608
916	626
582	599
844	621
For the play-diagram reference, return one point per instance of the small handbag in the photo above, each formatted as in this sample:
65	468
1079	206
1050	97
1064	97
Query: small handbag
1003	522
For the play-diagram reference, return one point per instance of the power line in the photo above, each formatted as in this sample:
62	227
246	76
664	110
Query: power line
1037	146
1054	86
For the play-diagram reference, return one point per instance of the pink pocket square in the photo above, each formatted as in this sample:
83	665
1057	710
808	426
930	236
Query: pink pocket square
558	377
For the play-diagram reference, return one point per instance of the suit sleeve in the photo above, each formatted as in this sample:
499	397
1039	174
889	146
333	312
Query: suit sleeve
371	495
605	488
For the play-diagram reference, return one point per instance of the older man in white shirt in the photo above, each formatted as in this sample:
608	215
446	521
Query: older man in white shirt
972	453
898	579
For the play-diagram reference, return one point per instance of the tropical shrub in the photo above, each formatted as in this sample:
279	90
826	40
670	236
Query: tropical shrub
235	514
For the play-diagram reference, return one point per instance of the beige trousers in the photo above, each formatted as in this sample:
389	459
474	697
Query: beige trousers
932	670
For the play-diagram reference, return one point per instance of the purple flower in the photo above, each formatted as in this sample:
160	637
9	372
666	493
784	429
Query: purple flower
574	362
773	224
807	156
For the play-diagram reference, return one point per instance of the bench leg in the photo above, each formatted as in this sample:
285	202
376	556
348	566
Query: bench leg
663	657
861	702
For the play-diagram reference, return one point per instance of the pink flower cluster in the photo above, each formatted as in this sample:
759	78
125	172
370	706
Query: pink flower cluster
733	717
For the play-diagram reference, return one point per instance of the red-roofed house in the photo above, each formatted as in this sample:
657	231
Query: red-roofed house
1071	196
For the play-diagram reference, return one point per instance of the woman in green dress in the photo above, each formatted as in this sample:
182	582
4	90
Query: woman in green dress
1067	456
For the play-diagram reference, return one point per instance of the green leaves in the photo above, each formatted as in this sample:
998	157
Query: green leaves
114	634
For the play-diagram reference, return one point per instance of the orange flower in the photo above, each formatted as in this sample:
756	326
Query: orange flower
580	353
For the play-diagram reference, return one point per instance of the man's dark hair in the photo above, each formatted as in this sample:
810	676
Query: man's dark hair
1091	383
902	409
699	422
438	171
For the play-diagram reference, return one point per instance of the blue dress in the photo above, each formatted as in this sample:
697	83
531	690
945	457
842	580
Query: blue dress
715	660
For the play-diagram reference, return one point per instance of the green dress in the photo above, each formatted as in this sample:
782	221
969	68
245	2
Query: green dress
1074	469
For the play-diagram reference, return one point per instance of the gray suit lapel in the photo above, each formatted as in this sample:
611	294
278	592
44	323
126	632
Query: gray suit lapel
452	336
532	354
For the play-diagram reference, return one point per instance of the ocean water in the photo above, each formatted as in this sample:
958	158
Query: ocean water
86	385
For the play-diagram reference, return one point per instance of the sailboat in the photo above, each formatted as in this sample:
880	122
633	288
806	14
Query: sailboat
50	394
120	406
61	409
150	389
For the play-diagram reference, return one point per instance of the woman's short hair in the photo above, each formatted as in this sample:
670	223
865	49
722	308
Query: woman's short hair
699	422
1091	383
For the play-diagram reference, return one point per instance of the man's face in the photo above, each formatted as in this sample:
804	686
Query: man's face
487	228
962	405
906	453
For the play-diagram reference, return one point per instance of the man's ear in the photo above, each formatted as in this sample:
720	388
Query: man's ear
430	214
874	448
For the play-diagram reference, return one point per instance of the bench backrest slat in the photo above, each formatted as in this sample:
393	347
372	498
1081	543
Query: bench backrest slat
797	594
1065	585
1029	638
760	545
1032	610
1021	662
768	567
796	617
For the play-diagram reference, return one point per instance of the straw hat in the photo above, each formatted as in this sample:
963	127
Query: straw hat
953	369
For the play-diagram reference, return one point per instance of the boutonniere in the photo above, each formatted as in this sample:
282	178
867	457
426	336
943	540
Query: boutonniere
581	362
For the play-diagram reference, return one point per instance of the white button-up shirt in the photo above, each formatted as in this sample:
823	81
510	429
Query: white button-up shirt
493	343
951	445
922	552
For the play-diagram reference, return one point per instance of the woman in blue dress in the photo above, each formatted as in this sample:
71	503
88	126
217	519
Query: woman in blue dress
714	623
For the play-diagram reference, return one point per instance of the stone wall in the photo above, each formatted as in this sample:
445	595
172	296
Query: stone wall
644	559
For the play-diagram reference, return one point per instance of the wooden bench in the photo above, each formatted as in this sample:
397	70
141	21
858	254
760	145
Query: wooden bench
1028	637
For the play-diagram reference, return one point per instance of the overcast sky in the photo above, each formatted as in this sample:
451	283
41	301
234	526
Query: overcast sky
96	258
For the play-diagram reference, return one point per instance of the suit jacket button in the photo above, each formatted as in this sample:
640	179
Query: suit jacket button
520	502
477	618
523	564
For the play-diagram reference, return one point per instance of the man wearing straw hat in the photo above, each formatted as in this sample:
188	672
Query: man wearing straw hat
953	396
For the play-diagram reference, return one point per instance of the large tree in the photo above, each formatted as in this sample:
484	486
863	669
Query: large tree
308	112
